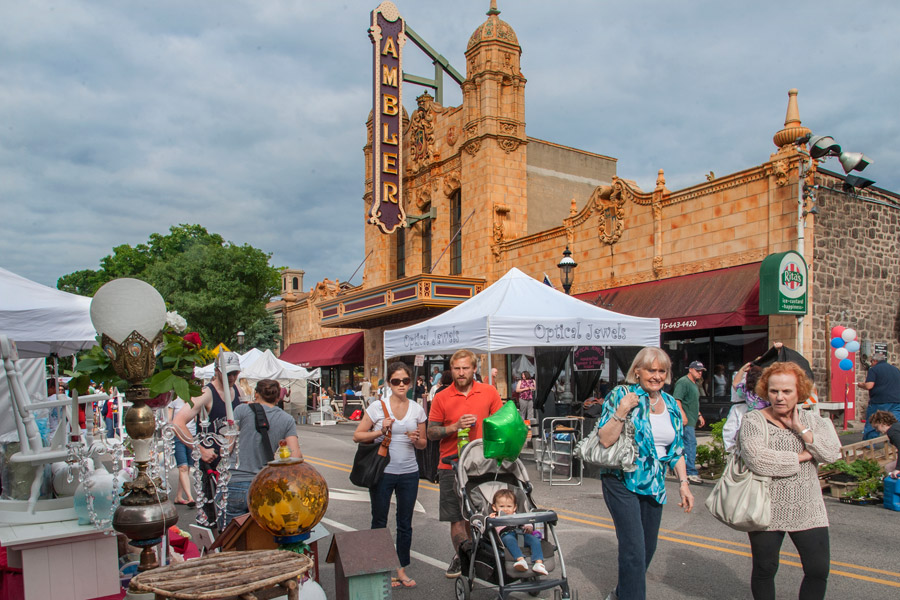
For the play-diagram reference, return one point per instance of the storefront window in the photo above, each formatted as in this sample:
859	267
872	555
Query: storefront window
722	351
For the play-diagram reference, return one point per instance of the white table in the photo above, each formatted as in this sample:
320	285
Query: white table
62	560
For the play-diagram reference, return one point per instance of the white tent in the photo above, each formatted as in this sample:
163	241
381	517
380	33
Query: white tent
267	366
247	359
43	320
515	315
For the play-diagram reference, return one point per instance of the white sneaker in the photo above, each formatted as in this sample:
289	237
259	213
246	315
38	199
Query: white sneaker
695	479
539	568
521	565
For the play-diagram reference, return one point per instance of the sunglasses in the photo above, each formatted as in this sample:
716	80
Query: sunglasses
404	381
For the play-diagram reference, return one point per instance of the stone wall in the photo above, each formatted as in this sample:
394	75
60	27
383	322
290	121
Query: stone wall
856	269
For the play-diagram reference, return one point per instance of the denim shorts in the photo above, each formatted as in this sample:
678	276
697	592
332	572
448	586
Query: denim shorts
183	453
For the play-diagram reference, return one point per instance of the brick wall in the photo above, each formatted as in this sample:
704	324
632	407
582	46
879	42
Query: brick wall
856	269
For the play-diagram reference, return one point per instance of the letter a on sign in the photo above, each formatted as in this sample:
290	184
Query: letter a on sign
388	34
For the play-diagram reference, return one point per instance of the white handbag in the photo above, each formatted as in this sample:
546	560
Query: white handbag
740	498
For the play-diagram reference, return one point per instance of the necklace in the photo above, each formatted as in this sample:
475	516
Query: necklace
654	402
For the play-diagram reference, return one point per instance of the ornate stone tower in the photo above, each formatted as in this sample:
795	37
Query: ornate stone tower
494	177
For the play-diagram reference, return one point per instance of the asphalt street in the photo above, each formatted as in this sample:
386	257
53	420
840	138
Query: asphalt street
697	557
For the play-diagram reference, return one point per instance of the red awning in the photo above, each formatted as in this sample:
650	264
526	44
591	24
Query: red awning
720	298
327	352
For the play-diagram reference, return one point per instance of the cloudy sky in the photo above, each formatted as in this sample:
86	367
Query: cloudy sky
120	119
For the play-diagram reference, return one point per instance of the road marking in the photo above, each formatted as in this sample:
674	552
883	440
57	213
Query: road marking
362	496
594	521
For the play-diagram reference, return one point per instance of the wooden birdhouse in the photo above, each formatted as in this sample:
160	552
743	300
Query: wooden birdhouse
363	561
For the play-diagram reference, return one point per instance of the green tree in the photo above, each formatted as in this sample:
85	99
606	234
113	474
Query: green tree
262	333
218	287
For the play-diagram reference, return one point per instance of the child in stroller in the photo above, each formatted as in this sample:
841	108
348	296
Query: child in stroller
504	503
484	556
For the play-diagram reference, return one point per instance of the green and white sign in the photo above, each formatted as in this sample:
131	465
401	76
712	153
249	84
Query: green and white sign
783	284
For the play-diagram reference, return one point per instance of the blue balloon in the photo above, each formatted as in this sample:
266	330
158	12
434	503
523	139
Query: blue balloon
846	365
837	342
852	346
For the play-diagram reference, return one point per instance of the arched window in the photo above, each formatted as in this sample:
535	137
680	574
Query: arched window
296	283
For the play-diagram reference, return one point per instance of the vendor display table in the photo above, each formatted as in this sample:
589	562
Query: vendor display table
257	574
63	560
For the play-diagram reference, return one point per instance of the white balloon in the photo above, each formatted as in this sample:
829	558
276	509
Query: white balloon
849	335
841	353
852	346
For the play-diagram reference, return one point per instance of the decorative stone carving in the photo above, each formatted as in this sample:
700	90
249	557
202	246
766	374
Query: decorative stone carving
508	144
780	171
452	136
451	183
471	131
657	266
473	146
422	132
423	198
424	289
609	202
508	127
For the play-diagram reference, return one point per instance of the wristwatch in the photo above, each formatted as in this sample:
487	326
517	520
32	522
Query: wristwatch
805	430
618	418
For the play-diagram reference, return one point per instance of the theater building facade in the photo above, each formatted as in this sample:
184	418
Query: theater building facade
480	196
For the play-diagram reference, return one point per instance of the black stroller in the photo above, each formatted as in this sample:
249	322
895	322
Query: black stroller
485	557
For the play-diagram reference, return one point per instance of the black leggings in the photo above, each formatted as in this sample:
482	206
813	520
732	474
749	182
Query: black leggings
812	544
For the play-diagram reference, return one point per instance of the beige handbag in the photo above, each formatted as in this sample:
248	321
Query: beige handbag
740	498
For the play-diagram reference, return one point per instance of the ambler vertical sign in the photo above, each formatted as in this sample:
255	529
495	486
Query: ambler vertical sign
388	34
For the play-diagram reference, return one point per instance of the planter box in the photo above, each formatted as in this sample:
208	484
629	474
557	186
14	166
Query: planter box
839	489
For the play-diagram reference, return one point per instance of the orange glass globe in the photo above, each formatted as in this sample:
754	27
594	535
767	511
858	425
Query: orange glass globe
288	497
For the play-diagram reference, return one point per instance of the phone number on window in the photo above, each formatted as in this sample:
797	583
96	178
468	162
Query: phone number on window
677	324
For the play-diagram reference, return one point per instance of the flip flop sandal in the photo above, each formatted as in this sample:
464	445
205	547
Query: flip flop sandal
408	583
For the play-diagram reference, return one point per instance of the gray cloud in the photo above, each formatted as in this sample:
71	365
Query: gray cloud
118	120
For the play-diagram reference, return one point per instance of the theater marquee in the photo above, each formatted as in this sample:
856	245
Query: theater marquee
388	34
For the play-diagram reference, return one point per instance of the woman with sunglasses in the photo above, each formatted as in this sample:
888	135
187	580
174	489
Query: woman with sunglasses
406	422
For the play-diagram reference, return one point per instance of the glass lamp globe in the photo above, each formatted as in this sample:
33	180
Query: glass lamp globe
288	498
125	305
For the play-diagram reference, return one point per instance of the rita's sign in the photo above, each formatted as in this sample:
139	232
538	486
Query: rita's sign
783	282
388	34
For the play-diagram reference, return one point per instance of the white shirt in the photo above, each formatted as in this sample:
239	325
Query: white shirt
403	454
663	432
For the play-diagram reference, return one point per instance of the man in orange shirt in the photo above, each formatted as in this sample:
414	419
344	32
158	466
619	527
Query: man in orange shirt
465	404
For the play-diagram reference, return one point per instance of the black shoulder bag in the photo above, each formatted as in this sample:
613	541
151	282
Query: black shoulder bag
262	427
371	459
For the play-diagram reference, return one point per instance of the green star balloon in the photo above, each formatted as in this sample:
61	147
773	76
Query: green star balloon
504	433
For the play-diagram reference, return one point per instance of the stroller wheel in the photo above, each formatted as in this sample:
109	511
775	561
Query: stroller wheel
462	588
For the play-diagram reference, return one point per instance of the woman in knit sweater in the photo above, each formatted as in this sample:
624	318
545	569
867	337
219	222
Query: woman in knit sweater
787	444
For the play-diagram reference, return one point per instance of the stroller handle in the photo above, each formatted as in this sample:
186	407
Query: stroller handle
529	518
448	460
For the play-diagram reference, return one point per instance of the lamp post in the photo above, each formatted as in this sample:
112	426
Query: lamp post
240	339
130	314
820	148
567	270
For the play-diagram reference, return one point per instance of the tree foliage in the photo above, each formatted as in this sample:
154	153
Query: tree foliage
218	287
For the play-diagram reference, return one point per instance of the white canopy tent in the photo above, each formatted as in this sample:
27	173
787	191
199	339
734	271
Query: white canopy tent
517	314
247	359
43	320
268	366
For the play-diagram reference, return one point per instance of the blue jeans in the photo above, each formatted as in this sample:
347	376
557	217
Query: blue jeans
237	502
637	519
406	486
183	453
892	407
690	450
511	541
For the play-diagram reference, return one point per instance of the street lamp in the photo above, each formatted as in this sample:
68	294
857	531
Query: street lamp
240	339
567	270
